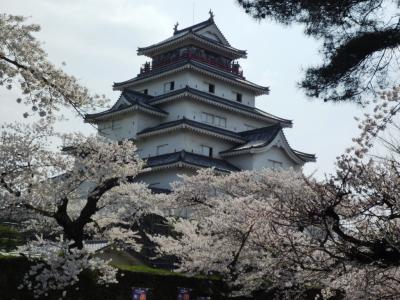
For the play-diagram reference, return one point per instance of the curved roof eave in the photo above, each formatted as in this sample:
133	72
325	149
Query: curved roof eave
297	156
108	114
187	39
221	102
195	66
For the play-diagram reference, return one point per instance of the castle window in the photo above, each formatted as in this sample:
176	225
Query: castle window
116	124
220	121
239	97
211	88
206	150
169	86
213	119
161	149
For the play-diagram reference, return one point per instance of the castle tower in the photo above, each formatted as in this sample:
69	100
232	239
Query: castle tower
191	107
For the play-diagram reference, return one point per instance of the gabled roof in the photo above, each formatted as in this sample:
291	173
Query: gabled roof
185	123
196	66
262	138
197	27
195	34
128	101
221	102
187	159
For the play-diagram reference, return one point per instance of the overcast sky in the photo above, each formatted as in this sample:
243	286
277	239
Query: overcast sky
98	41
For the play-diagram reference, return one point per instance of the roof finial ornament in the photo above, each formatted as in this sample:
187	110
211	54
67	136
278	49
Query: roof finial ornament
211	14
176	27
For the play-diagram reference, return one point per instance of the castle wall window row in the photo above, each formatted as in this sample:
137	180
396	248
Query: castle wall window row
213	119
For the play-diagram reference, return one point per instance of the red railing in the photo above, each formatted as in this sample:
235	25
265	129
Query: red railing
233	68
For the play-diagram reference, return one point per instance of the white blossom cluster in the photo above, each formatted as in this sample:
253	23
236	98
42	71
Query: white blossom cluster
278	230
58	266
85	191
24	64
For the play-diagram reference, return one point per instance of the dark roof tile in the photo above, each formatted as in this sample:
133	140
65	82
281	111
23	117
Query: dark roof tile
191	159
134	98
196	64
237	105
195	124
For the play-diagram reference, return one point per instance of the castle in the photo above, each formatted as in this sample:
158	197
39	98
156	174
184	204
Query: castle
191	107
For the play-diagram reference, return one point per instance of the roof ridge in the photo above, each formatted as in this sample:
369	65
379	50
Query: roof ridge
249	109
277	126
139	93
185	156
207	22
194	123
195	64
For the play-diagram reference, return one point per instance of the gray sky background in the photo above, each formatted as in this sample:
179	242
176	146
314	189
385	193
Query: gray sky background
98	41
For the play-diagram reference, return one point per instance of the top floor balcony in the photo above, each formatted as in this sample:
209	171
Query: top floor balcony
229	67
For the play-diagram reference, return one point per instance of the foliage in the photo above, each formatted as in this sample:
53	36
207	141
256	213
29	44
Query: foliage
87	194
9	238
85	190
24	64
360	40
276	230
164	286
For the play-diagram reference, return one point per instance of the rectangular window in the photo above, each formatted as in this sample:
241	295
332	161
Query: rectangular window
211	88
207	118
169	86
220	121
206	150
146	91
161	149
239	97
116	124
213	119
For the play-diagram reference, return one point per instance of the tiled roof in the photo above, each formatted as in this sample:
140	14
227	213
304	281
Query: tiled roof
196	27
134	98
194	124
190	32
262	137
192	63
223	101
257	138
190	159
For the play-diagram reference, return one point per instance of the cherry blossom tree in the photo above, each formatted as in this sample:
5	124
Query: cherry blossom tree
278	231
85	191
65	195
24	65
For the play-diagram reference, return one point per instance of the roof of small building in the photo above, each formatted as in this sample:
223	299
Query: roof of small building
189	63
134	99
190	32
192	159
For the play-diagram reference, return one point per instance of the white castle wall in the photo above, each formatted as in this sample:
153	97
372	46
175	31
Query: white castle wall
163	178
223	89
181	140
275	154
192	109
126	126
